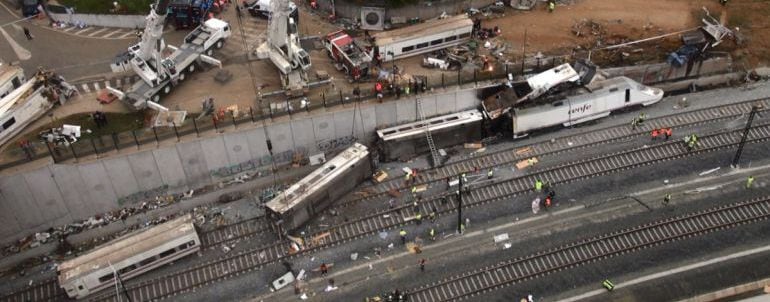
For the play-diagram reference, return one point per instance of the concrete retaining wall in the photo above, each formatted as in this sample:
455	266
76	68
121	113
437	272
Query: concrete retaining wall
57	194
123	21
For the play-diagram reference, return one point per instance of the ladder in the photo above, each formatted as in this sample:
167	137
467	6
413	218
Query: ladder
433	152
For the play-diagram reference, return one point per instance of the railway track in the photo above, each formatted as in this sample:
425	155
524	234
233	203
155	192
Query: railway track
236	264
49	290
477	282
235	231
561	144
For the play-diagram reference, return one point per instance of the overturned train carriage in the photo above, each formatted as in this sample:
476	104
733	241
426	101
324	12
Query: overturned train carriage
590	102
129	256
315	192
409	140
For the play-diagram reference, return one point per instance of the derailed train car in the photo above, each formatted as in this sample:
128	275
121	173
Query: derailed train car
305	199
129	256
587	103
408	140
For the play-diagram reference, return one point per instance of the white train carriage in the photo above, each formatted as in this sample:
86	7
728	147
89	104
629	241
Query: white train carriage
11	77
408	140
421	38
593	101
129	256
316	191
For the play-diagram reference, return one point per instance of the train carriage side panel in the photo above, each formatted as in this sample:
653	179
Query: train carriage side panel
409	139
528	119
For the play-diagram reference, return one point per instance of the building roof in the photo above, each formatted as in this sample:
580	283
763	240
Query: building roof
423	29
124	247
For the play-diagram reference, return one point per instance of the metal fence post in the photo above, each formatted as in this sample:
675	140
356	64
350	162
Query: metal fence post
443	81
195	125
175	131
50	152
133	132
74	154
251	114
323	97
232	116
216	127
93	145
459	82
475	79
115	141
157	141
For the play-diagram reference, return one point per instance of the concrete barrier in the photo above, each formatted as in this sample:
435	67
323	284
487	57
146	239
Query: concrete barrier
58	194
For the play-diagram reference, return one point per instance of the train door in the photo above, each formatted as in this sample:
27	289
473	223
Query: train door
628	96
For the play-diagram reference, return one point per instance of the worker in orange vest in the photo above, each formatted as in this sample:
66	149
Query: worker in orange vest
548	201
655	133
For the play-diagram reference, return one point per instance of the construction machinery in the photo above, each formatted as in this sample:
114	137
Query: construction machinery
160	74
347	54
283	48
30	101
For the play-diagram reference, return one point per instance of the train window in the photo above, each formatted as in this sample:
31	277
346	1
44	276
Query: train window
407	49
127	269
9	123
167	253
465	35
80	287
388	132
422	45
613	89
556	104
105	278
436	42
147	261
452	38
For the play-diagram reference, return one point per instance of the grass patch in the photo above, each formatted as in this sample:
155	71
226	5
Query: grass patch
116	122
127	7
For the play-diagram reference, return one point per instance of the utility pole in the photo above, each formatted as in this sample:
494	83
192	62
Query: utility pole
737	158
460	204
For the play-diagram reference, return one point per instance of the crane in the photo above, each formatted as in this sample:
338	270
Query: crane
283	48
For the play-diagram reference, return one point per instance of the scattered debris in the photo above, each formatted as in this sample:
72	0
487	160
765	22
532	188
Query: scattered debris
380	176
473	145
709	171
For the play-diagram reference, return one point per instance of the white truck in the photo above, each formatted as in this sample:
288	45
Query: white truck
160	73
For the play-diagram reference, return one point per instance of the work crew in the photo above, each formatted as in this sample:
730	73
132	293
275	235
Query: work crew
551	5
402	233
666	199
432	214
462	228
693	142
324	269
432	234
608	285
641	118
538	185
634	122
655	133
723	2
749	181
490	173
548	201
667	132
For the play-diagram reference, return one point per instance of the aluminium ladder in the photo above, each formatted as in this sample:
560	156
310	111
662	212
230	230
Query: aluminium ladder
433	152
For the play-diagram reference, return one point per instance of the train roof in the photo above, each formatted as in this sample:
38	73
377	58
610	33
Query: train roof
124	247
434	124
423	29
595	88
317	179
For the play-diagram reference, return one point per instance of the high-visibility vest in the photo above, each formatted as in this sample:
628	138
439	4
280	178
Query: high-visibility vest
418	217
538	185
608	285
402	233
749	181
432	232
414	189
490	173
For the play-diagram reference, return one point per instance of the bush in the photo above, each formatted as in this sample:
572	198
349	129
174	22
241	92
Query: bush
127	7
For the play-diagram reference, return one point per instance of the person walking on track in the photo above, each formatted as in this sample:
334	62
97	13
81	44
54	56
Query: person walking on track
666	199
27	34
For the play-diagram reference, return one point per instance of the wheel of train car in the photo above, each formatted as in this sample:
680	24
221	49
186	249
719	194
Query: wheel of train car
220	43
191	69
167	89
